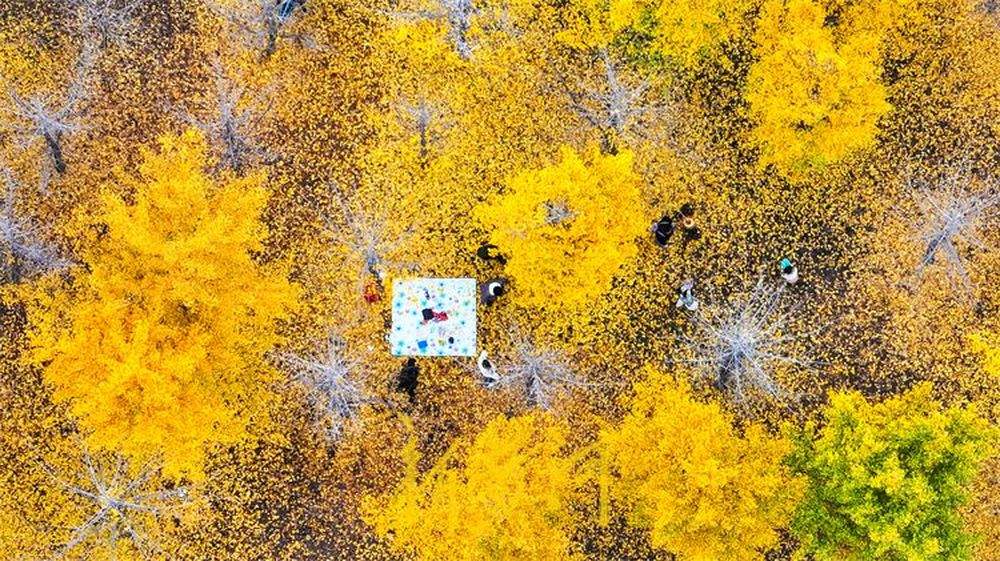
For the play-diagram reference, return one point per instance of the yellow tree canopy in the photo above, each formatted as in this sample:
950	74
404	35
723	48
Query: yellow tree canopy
568	227
704	491
396	138
503	496
988	344
158	343
814	99
681	30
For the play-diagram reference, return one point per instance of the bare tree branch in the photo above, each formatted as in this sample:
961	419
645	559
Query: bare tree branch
739	346
119	503
950	218
332	383
261	23
558	212
107	22
23	249
232	124
47	117
368	240
623	107
543	375
425	120
456	14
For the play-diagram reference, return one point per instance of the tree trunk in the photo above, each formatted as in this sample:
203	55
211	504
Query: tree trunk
55	150
272	37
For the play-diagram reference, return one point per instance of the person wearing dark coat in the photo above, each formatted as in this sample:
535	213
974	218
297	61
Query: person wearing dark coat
407	380
488	252
491	290
691	231
663	229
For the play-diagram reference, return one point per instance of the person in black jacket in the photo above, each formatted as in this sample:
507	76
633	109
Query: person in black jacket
491	290
663	229
488	252
407	380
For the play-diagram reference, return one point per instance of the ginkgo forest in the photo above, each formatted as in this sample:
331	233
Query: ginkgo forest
528	280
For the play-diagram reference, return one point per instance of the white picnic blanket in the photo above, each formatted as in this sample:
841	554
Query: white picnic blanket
433	317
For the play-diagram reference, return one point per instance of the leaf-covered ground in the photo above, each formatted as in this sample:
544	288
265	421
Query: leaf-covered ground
205	203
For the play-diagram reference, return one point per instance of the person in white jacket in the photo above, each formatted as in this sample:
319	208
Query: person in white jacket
487	371
789	271
685	296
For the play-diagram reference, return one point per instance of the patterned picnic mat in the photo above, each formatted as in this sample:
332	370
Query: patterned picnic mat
433	317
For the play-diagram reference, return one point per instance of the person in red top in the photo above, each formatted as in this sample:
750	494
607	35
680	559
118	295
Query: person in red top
371	293
430	315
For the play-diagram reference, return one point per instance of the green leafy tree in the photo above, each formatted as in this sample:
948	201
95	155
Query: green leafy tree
886	480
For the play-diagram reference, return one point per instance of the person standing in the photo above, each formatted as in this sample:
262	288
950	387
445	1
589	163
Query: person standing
407	379
492	289
686	297
662	230
789	271
487	371
489	252
692	232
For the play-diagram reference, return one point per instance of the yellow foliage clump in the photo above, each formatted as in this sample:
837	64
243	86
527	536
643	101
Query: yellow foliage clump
502	496
988	345
704	491
568	227
685	29
866	23
681	30
887	479
594	23
814	99
158	344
